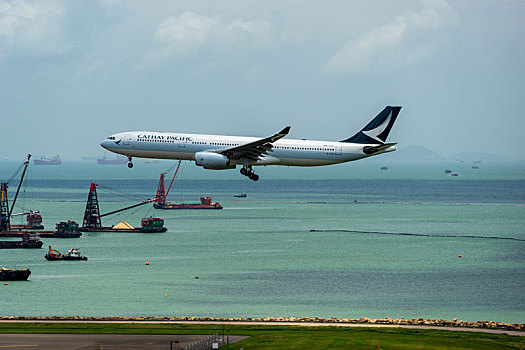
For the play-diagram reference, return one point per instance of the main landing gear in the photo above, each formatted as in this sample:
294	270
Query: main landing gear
247	170
130	164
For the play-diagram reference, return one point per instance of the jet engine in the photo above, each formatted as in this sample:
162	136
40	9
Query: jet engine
213	161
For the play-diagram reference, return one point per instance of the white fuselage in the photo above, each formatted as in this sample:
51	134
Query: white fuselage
288	152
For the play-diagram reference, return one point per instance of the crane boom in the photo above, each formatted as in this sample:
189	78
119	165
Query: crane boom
26	163
126	208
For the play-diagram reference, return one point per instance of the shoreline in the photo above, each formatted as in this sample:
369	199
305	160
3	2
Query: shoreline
310	321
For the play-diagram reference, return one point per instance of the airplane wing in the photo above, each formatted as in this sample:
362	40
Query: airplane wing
253	150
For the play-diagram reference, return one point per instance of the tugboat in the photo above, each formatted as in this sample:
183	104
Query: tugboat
14	274
72	254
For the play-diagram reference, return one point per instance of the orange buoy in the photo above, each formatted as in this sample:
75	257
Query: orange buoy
197	277
6	284
460	256
147	262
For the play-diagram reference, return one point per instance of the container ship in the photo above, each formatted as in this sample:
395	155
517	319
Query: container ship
48	161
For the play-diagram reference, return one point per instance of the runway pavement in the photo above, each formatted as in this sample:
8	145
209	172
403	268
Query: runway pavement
100	341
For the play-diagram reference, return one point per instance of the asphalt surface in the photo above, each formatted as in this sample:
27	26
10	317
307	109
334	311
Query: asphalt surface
100	341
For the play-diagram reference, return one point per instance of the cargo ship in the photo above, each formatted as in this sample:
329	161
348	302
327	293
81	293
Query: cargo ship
118	160
48	161
160	199
14	274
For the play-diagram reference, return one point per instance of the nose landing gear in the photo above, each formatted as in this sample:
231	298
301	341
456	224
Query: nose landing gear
247	170
130	164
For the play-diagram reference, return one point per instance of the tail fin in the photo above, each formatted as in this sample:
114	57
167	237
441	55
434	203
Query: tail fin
378	129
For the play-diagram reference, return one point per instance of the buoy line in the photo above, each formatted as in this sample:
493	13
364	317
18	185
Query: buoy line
422	234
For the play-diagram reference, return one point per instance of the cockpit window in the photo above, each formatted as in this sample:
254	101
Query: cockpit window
111	138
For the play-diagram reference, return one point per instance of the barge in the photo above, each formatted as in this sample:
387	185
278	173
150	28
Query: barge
33	221
67	229
14	274
148	225
29	240
161	203
205	203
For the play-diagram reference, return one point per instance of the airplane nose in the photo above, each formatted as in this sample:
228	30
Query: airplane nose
105	144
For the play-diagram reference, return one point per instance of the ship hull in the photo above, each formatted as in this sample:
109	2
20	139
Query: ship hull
14	275
52	258
19	244
186	206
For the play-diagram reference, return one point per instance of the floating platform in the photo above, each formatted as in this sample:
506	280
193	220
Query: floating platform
148	225
205	203
42	234
112	229
27	227
29	240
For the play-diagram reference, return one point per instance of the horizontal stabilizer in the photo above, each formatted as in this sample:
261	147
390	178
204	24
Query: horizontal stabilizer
377	149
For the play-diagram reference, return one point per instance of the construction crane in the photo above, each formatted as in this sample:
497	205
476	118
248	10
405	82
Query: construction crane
92	213
5	212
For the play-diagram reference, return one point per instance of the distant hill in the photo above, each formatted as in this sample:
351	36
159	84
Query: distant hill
476	156
414	153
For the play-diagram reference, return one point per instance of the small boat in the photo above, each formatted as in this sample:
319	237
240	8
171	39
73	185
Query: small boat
14	274
448	171
384	168
72	254
242	195
454	174
475	167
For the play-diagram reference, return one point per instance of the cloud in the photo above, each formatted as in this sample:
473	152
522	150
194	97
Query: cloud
33	27
373	46
190	32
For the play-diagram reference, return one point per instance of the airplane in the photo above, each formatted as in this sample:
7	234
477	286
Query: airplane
218	152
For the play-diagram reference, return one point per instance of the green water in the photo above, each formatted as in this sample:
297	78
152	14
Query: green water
258	257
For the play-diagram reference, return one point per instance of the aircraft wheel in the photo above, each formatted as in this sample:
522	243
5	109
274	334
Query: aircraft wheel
255	177
244	171
130	165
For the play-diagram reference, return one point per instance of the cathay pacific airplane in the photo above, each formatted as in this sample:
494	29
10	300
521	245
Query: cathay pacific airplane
219	152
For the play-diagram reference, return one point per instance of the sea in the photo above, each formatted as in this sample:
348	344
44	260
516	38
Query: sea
345	241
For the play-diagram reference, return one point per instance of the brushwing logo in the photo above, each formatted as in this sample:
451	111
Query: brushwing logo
374	133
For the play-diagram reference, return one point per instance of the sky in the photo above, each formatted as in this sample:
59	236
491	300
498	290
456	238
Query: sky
74	72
